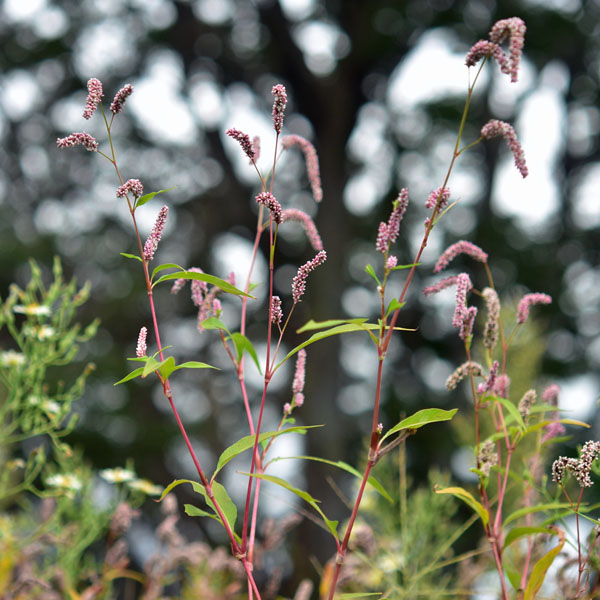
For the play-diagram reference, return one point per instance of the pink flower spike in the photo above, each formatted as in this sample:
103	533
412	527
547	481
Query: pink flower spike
466	327
550	394
244	141
300	374
275	312
461	247
435	196
293	214
279	103
152	242
463	286
268	200
255	149
485	48
78	139
299	282
495	128
119	100
388	232
441	285
311	159
142	347
392	261
513	28
131	185
94	97
287	409
527	301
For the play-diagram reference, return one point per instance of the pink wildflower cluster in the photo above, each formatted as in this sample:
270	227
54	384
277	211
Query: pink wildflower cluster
299	377
495	128
142	347
119	100
580	468
388	232
131	185
268	200
490	331
435	196
275	312
461	247
555	428
490	381
311	159
244	141
279	103
152	242
513	28
441	285
78	139
94	97
467	368
294	214
299	282
463	316
502	385
255	148
527	301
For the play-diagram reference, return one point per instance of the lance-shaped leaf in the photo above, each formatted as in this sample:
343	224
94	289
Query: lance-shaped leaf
147	197
519	532
137	373
160	268
420	418
331	526
247	442
243	344
466	497
133	256
220	283
371	271
538	573
521	512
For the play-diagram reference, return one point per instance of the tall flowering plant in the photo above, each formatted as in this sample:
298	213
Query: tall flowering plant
489	379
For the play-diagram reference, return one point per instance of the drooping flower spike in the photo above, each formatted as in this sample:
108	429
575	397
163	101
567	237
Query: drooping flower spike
527	301
267	199
78	139
513	28
461	247
294	214
244	141
388	232
311	159
495	128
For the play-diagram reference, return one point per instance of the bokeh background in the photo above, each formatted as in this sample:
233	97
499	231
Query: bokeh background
379	87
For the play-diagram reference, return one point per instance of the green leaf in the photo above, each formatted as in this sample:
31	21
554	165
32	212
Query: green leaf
397	267
466	497
350	595
346	467
194	511
221	496
147	197
151	365
420	418
166	367
312	325
538	573
521	512
214	323
393	306
371	271
130	256
541	424
194	364
519	532
513	411
220	283
247	442
131	375
243	344
331	526
165	266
